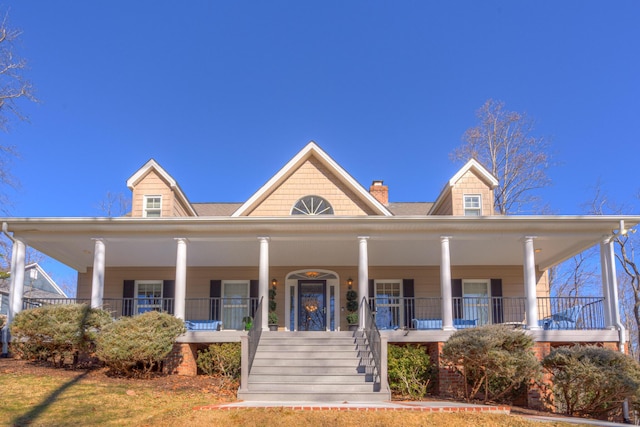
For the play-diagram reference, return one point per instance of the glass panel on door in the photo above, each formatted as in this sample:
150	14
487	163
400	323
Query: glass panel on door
312	311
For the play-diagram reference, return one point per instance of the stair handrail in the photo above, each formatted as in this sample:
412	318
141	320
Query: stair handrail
255	332
375	342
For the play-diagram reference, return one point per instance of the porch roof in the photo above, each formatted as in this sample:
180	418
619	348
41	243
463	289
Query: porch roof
314	241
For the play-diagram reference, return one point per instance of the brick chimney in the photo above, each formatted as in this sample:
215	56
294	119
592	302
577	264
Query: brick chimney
380	192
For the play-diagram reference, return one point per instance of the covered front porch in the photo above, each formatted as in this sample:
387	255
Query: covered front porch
417	274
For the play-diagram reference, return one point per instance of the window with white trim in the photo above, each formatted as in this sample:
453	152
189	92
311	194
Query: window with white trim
388	295
152	206
148	296
472	205
312	205
476	297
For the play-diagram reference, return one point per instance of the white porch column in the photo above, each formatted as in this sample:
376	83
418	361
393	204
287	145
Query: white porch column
181	279
97	281
363	277
263	281
614	305
445	284
18	277
530	283
5	330
606	286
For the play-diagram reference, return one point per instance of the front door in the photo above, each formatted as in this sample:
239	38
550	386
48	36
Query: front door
312	310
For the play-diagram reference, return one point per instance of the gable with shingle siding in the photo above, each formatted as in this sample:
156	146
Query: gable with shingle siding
311	178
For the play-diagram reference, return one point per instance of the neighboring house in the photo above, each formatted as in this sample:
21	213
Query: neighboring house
37	284
425	269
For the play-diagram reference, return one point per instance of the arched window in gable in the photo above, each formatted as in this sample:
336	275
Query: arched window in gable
312	205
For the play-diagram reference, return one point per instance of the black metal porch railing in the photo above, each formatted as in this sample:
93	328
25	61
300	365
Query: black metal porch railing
28	303
255	332
563	313
372	335
229	312
571	312
426	313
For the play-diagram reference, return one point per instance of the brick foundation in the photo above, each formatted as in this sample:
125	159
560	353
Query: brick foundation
181	360
448	381
538	394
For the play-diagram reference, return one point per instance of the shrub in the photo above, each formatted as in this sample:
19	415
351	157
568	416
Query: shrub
221	359
352	300
134	346
57	333
3	320
493	360
409	371
591	381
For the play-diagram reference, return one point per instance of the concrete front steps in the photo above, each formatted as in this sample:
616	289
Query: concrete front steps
312	367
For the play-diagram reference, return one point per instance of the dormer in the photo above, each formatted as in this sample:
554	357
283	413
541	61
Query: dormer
155	194
468	193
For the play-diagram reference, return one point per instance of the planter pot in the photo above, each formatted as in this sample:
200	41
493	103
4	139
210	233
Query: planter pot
273	327
353	327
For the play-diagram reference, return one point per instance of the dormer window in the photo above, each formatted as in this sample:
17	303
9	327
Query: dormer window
312	205
152	206
472	205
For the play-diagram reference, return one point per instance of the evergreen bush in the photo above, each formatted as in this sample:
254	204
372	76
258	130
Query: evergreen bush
591	381
221	359
57	333
496	362
409	371
134	346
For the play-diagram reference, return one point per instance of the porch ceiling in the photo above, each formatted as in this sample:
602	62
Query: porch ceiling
314	241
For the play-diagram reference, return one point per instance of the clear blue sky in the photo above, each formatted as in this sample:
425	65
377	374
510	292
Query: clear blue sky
222	94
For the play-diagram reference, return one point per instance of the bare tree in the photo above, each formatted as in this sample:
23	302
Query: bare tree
114	204
503	142
576	277
14	88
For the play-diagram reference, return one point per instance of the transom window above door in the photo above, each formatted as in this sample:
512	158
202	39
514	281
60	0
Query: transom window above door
312	205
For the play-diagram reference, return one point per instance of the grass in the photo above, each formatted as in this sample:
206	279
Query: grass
38	400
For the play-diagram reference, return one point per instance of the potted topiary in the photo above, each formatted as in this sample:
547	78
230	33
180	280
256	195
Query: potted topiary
248	322
352	309
273	316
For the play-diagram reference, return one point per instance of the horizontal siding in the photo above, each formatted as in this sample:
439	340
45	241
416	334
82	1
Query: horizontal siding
426	279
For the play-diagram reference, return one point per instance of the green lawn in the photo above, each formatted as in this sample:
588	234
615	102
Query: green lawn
42	400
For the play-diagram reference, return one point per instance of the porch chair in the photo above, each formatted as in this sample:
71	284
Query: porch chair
565	319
